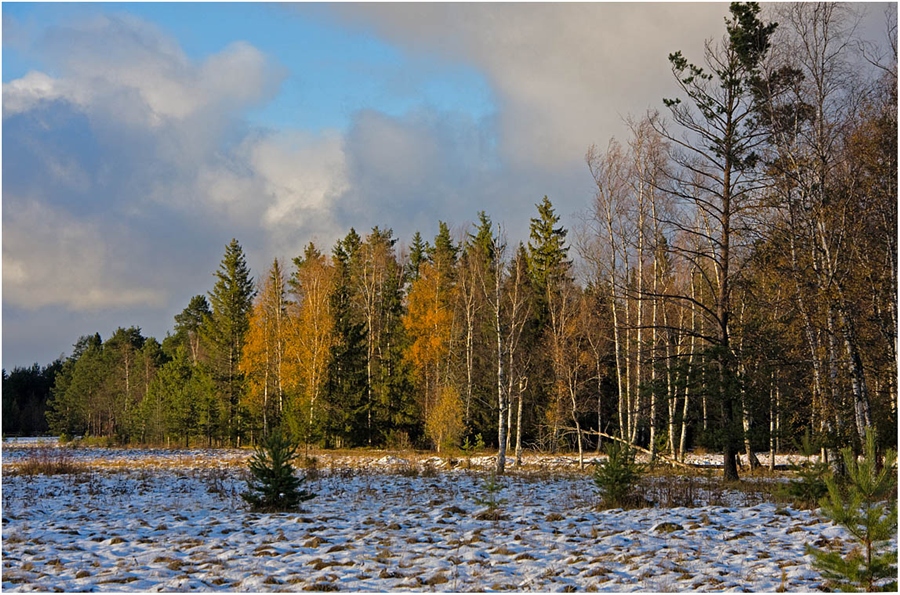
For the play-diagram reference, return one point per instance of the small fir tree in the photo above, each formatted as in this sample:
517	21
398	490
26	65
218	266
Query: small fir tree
866	505
275	487
617	478
491	487
808	488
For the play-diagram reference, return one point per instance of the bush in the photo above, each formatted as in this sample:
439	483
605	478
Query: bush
866	505
275	487
618	477
808	488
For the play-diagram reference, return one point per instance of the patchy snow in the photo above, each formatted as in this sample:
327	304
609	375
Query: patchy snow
155	520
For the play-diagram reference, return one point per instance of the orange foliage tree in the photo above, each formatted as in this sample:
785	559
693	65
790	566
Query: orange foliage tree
310	335
263	355
429	325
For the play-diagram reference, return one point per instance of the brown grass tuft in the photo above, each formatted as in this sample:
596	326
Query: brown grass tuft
48	460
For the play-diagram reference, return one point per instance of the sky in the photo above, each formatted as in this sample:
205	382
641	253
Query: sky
139	139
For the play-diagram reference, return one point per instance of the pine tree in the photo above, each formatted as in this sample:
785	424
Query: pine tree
866	505
718	182
74	392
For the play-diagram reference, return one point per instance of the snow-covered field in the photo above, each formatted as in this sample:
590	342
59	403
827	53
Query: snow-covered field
145	520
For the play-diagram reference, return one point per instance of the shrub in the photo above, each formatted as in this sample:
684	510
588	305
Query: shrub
274	486
470	448
866	505
808	488
618	477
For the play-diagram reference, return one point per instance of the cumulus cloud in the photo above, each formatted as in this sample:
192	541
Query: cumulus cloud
564	74
287	184
129	168
131	65
23	94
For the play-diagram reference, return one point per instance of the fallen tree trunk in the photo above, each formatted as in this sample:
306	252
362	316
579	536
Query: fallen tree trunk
658	455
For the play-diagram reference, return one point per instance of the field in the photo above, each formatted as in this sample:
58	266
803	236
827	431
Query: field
159	520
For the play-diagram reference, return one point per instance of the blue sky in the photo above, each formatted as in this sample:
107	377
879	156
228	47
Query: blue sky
138	139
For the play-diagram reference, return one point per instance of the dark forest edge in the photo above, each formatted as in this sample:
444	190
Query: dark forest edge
736	290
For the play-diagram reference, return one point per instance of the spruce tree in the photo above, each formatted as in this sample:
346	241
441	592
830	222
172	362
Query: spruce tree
618	477
231	300
417	254
547	248
275	487
345	381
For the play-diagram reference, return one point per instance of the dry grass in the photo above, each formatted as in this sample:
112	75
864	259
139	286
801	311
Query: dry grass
48	460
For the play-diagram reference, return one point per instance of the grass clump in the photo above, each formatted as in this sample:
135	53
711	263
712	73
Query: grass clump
618	477
274	486
48	460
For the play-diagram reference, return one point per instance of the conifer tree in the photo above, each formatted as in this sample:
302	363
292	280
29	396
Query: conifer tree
188	324
866	505
345	382
549	271
73	397
172	407
231	300
547	253
718	183
418	250
275	487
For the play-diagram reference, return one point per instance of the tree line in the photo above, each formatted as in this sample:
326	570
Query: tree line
733	285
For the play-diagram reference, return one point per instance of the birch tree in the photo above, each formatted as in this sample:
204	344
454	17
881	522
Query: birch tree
309	341
262	361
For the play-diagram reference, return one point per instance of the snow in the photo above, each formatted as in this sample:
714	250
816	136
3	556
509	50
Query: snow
156	520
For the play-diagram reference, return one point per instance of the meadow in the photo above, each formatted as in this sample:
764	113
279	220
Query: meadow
132	520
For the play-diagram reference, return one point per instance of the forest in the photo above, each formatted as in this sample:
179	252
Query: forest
731	285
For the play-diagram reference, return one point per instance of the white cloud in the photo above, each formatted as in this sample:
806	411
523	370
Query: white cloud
127	69
281	187
103	161
52	258
23	94
564	74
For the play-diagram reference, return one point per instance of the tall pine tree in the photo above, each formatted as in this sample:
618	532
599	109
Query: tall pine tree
718	183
